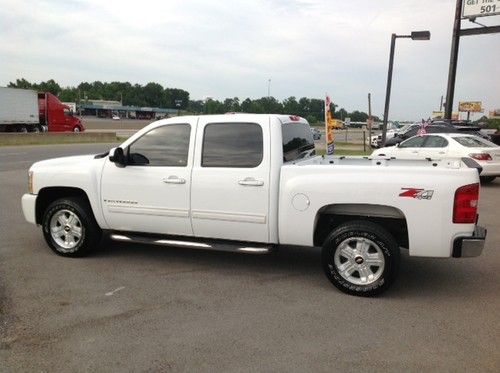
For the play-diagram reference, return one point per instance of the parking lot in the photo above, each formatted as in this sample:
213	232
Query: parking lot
140	308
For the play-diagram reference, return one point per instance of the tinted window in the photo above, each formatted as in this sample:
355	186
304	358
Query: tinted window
162	146
297	140
474	142
411	132
440	129
414	142
232	145
435	142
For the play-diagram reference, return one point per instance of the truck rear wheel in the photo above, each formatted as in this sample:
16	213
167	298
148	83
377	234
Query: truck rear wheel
361	258
69	227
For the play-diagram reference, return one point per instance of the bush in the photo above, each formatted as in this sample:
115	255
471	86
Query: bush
311	119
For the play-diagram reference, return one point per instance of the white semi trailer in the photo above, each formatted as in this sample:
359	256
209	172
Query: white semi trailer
18	110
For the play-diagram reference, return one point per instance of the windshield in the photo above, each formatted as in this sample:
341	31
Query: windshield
474	142
297	141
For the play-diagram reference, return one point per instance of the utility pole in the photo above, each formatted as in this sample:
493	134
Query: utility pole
370	118
441	104
269	88
452	71
455	43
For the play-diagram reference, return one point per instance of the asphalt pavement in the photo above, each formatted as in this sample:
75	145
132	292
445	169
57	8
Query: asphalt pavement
141	308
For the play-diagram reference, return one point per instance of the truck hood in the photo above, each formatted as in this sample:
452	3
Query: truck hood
65	162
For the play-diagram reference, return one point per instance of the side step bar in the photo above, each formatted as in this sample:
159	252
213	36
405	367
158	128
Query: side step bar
193	243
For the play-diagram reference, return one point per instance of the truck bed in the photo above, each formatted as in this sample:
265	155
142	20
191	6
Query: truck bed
379	161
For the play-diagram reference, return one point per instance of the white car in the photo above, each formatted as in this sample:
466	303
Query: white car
449	145
115	117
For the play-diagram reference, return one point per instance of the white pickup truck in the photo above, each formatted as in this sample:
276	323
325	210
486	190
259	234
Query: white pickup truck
250	183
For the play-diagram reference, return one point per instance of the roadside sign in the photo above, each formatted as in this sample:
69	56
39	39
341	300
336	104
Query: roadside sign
328	127
480	8
470	106
347	122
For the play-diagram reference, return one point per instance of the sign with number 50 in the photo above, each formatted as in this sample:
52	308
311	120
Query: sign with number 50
480	8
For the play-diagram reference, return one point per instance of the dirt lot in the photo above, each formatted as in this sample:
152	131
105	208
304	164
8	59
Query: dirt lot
141	308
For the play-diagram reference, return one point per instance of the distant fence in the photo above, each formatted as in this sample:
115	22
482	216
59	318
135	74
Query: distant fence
56	138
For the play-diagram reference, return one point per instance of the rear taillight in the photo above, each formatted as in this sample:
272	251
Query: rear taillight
294	118
465	206
481	156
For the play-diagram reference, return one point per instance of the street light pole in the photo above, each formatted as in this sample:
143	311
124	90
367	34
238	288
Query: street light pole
415	35
269	88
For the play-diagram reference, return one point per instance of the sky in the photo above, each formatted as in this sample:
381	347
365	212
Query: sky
232	48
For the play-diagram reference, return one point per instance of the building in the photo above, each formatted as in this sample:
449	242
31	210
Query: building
108	109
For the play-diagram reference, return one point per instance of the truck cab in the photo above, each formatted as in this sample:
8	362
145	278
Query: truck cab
56	116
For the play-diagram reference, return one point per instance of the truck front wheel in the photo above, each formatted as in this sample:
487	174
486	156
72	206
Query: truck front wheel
70	228
361	258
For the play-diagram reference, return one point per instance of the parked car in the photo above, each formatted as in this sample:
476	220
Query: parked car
434	127
316	134
450	145
115	117
250	183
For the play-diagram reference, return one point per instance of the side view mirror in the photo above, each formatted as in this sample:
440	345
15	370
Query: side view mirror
397	144
117	156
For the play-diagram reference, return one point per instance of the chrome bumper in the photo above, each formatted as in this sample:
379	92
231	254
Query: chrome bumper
468	247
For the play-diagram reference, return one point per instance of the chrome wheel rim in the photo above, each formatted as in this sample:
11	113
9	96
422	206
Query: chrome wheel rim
66	230
76	129
359	260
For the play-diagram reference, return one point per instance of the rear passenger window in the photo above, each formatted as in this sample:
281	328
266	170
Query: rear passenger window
435	142
232	145
414	142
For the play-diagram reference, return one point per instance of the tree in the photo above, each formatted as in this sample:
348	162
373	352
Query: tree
20	83
246	106
291	106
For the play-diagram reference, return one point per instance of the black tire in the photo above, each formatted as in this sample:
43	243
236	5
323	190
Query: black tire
384	245
90	232
487	179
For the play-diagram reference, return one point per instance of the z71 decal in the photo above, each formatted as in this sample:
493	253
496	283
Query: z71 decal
416	193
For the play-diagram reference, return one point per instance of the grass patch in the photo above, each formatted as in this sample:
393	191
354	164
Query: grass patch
14	139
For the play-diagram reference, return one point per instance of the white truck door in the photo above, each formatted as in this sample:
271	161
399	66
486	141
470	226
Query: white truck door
230	180
151	193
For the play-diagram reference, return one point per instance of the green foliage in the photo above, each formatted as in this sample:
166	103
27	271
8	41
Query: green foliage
493	123
151	94
155	95
311	119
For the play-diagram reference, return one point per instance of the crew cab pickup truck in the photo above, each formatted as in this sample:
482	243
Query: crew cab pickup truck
251	183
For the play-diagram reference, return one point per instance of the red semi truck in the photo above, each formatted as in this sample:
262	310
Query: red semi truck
25	110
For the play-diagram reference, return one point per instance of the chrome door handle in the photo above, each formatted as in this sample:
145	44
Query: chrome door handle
415	152
250	181
174	180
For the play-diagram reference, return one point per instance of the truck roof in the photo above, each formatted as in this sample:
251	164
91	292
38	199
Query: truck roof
283	118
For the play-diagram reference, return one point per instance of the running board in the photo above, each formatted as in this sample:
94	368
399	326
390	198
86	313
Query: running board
207	244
